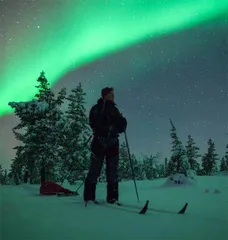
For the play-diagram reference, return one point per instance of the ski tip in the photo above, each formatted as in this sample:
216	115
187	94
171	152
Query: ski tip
183	210
145	208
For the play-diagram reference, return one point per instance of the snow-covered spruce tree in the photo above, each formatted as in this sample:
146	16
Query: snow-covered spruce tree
223	165
39	130
160	170
150	169
224	162
166	167
124	163
137	167
181	160
226	156
209	160
16	166
142	171
6	178
171	167
1	174
193	154
75	135
158	167
49	129
23	160
178	162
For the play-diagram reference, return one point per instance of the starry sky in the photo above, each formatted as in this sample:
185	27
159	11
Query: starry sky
167	71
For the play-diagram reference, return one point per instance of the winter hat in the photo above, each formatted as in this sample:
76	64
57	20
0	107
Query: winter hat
105	91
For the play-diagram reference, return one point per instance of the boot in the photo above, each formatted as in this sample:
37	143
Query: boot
112	193
89	191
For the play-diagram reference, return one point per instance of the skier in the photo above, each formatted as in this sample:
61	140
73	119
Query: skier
107	123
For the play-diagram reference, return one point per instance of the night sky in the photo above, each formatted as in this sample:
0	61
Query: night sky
180	74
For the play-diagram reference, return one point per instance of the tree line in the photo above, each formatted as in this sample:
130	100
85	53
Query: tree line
54	144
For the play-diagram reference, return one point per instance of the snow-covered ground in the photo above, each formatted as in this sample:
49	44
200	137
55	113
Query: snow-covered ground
28	216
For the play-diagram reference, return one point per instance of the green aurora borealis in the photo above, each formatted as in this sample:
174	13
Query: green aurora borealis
74	33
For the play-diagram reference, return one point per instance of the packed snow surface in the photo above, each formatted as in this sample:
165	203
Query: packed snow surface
28	216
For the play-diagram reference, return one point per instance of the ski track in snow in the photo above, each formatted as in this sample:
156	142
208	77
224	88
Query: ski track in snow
28	216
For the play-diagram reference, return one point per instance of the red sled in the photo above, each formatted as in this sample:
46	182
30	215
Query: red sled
52	188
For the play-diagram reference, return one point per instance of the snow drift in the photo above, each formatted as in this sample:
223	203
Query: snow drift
180	179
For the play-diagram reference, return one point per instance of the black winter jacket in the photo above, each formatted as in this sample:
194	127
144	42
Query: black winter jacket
106	120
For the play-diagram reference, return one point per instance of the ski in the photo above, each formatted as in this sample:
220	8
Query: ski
140	210
117	205
147	208
181	211
144	209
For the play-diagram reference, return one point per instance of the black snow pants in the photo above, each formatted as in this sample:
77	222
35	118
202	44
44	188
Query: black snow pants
102	148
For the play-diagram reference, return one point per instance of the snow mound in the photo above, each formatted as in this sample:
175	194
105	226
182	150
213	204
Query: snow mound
216	191
180	179
206	190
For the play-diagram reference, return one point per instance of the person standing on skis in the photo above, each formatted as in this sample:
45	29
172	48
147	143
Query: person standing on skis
107	123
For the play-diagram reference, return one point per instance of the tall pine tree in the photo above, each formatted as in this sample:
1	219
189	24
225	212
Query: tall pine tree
138	168
223	165
16	168
166	167
38	130
150	166
75	135
209	160
1	175
192	154
226	156
178	162
160	169
224	161
124	163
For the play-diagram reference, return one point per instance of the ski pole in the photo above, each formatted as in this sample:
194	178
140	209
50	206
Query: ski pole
133	174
